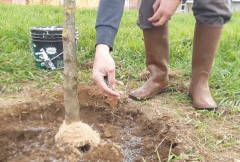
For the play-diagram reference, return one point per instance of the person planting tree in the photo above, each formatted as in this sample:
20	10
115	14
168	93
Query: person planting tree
210	15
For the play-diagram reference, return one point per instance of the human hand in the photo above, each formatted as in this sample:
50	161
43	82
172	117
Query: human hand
104	66
163	11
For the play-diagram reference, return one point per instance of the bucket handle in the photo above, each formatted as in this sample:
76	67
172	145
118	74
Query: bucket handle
56	56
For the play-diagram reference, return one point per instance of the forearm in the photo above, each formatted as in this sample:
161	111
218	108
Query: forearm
108	20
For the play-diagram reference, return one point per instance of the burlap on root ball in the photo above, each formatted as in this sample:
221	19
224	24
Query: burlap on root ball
77	134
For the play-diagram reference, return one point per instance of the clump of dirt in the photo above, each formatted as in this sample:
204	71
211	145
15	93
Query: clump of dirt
126	134
92	96
178	85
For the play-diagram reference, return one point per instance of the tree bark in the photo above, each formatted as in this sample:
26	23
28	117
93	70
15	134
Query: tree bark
71	102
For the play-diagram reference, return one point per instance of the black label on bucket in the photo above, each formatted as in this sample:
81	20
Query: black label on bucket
48	55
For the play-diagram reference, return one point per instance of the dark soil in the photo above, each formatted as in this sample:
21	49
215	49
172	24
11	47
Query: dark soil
127	133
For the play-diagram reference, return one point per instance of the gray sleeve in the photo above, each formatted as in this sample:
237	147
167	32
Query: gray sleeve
109	16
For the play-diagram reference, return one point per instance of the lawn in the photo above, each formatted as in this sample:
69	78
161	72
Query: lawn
208	135
17	64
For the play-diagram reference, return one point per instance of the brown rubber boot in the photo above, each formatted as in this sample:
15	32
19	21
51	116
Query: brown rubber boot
206	40
156	42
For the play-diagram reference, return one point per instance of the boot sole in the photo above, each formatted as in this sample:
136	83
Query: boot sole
205	108
147	98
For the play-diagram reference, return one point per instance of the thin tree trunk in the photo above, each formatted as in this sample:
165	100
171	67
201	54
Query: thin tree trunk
70	63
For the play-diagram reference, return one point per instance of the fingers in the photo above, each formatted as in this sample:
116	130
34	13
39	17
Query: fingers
116	90
102	85
109	89
156	5
119	82
163	10
112	82
161	21
156	16
111	78
159	18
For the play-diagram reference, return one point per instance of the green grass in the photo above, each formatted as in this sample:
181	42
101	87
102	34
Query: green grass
17	64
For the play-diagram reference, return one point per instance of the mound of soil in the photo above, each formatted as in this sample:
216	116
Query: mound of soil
127	135
91	96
